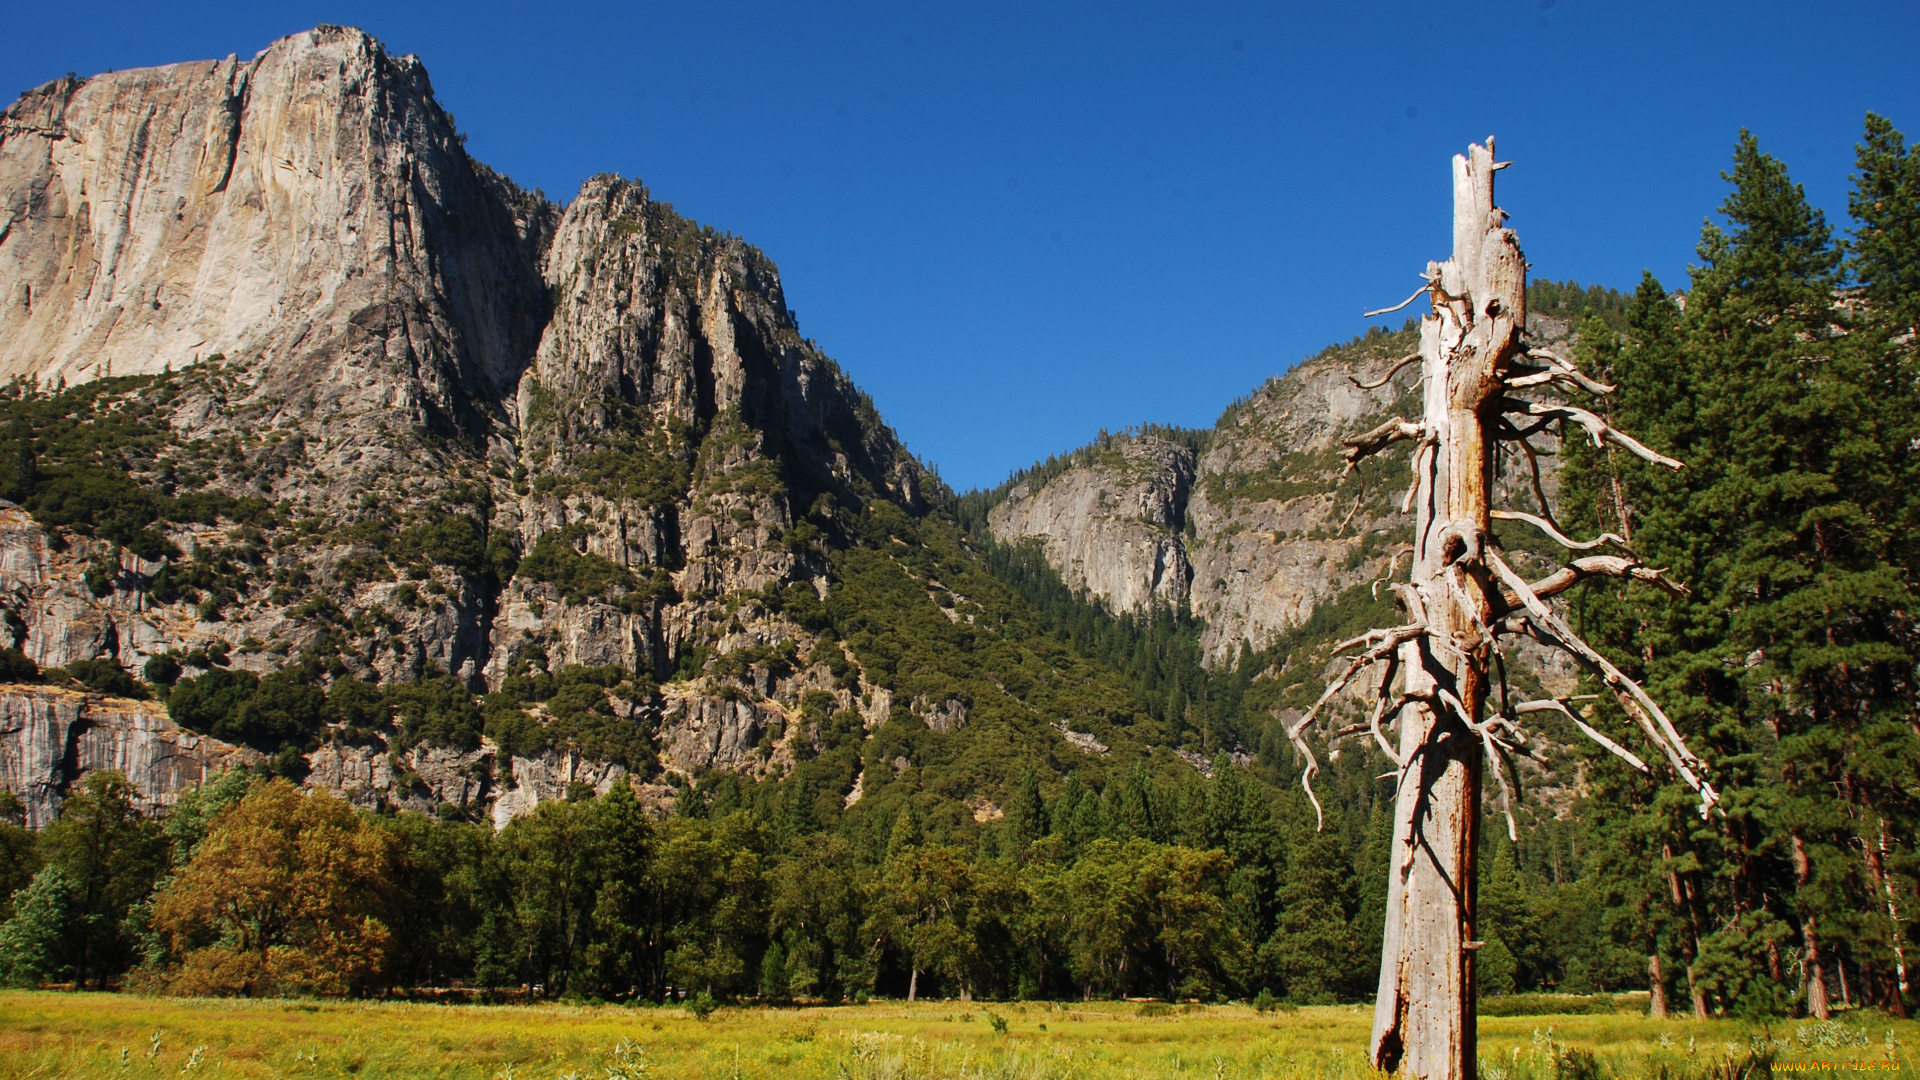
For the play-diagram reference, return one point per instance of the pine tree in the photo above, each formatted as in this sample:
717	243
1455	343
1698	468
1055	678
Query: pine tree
1884	255
625	907
1884	753
1314	951
1791	648
1026	812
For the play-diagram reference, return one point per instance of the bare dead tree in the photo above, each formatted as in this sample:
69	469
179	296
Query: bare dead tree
1485	383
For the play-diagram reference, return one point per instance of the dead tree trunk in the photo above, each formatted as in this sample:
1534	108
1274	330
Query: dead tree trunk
1484	383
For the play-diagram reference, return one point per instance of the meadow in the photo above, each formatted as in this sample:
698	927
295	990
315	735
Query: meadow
56	1034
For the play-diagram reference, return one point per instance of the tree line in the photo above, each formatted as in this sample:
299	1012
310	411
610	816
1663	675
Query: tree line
1786	378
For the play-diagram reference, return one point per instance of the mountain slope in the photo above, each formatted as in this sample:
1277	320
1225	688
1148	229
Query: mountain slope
1267	525
450	498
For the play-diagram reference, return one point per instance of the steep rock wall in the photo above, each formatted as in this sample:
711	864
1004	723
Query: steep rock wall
451	395
50	739
309	211
1111	527
1264	527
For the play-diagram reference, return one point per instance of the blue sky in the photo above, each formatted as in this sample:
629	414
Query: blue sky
1015	224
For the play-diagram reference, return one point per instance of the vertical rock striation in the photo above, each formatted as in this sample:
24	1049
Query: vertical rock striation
50	739
1111	526
310	212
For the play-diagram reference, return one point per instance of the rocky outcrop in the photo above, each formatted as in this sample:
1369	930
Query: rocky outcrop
353	322
558	776
1275	530
1111	524
408	419
50	739
1263	527
700	732
309	212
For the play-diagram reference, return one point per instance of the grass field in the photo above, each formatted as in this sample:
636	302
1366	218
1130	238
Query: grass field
53	1034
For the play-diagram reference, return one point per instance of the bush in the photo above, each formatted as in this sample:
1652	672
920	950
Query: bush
18	667
437	711
270	715
162	670
577	577
103	676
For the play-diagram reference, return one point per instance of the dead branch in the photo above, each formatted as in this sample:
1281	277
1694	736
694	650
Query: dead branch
1555	534
1381	707
1560	705
1393	431
1539	489
1508	432
1603	566
1571	371
1342	530
1384	642
1422	471
1495	757
1399	306
1632	698
1398	366
1598	430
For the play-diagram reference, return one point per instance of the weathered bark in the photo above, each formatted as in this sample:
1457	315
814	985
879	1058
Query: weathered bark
1656	988
1424	1017
1875	856
1684	900
1477	373
1814	964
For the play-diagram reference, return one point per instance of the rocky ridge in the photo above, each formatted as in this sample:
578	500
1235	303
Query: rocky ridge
1112	525
491	435
1266	525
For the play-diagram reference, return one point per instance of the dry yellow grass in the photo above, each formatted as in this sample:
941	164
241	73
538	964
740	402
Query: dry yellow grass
50	1034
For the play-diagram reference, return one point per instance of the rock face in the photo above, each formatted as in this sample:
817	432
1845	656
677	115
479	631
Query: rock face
490	435
50	739
310	211
1111	525
1258	531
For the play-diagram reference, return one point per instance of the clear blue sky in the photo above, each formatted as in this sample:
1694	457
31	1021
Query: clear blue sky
1015	224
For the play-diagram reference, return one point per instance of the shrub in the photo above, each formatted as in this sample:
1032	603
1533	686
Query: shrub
577	577
18	667
103	676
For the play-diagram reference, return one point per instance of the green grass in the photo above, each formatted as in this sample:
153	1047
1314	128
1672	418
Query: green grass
53	1034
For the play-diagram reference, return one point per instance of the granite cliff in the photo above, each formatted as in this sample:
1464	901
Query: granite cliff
1252	525
472	430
